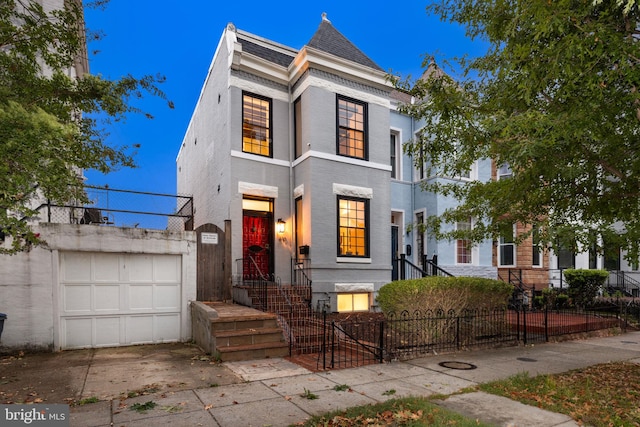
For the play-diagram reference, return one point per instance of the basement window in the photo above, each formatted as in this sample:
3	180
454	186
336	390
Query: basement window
353	302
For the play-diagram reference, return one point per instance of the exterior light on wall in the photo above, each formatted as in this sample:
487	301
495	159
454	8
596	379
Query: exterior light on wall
280	226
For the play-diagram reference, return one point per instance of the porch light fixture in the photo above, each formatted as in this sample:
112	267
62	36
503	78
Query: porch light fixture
280	226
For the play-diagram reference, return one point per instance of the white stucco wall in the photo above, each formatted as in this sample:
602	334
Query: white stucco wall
29	281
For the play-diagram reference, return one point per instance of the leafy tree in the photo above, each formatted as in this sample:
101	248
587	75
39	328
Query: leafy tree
51	123
555	97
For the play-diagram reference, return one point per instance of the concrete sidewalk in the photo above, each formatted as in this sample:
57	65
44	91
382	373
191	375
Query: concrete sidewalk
271	391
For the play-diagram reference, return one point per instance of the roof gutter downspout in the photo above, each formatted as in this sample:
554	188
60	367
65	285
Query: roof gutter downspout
292	249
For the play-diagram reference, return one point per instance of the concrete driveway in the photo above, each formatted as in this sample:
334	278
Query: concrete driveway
108	373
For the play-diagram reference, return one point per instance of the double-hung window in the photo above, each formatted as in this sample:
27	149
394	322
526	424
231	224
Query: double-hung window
394	151
463	246
504	171
256	124
353	227
352	128
507	252
536	255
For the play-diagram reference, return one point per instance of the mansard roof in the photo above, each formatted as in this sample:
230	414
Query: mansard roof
326	39
266	53
330	40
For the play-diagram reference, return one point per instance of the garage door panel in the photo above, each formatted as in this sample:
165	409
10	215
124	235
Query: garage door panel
107	297
166	269
106	268
140	268
119	299
167	328
76	267
107	331
77	332
166	297
140	329
141	297
76	299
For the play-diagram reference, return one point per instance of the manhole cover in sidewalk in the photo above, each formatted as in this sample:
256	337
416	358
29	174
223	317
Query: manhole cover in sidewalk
458	365
526	359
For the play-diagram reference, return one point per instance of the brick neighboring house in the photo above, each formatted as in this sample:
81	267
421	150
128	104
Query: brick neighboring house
300	139
534	267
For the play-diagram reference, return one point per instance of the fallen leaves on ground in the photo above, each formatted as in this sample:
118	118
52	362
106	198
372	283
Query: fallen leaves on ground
386	418
602	395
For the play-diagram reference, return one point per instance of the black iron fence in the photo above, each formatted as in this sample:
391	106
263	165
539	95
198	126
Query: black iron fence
124	208
374	338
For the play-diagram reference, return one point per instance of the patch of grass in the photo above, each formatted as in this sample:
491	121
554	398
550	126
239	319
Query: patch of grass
309	395
410	411
172	409
88	400
214	385
600	395
389	392
342	387
143	407
153	388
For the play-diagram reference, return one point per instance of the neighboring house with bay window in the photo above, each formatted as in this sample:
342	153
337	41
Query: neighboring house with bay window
411	206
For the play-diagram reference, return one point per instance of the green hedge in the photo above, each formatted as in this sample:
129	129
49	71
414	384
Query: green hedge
443	293
584	284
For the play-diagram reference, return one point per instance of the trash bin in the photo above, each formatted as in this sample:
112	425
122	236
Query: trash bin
2	319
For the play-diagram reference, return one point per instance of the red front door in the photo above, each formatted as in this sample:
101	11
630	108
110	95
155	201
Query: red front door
256	245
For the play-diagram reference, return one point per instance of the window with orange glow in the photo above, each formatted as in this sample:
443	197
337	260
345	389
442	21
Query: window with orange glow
256	124
352	128
353	302
353	233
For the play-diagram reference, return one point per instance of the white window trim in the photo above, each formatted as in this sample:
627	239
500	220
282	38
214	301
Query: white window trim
352	191
399	214
474	249
499	175
473	173
540	257
398	133
416	169
515	252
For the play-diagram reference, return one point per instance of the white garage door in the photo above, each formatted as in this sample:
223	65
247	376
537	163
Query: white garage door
118	299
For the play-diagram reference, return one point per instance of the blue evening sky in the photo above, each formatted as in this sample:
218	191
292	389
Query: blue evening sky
178	39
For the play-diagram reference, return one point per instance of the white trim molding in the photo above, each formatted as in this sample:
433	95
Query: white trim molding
258	190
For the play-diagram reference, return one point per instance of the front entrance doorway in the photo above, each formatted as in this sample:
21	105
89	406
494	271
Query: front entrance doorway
257	239
394	252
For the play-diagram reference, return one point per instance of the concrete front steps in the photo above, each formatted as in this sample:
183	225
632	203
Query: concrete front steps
234	332
257	336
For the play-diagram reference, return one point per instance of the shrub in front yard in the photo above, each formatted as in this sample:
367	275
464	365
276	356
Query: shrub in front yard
554	298
584	284
443	293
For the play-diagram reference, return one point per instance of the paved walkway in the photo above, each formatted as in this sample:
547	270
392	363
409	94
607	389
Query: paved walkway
271	394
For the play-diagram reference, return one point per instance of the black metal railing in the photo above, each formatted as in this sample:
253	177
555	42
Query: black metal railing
521	291
620	281
123	208
301	271
408	270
